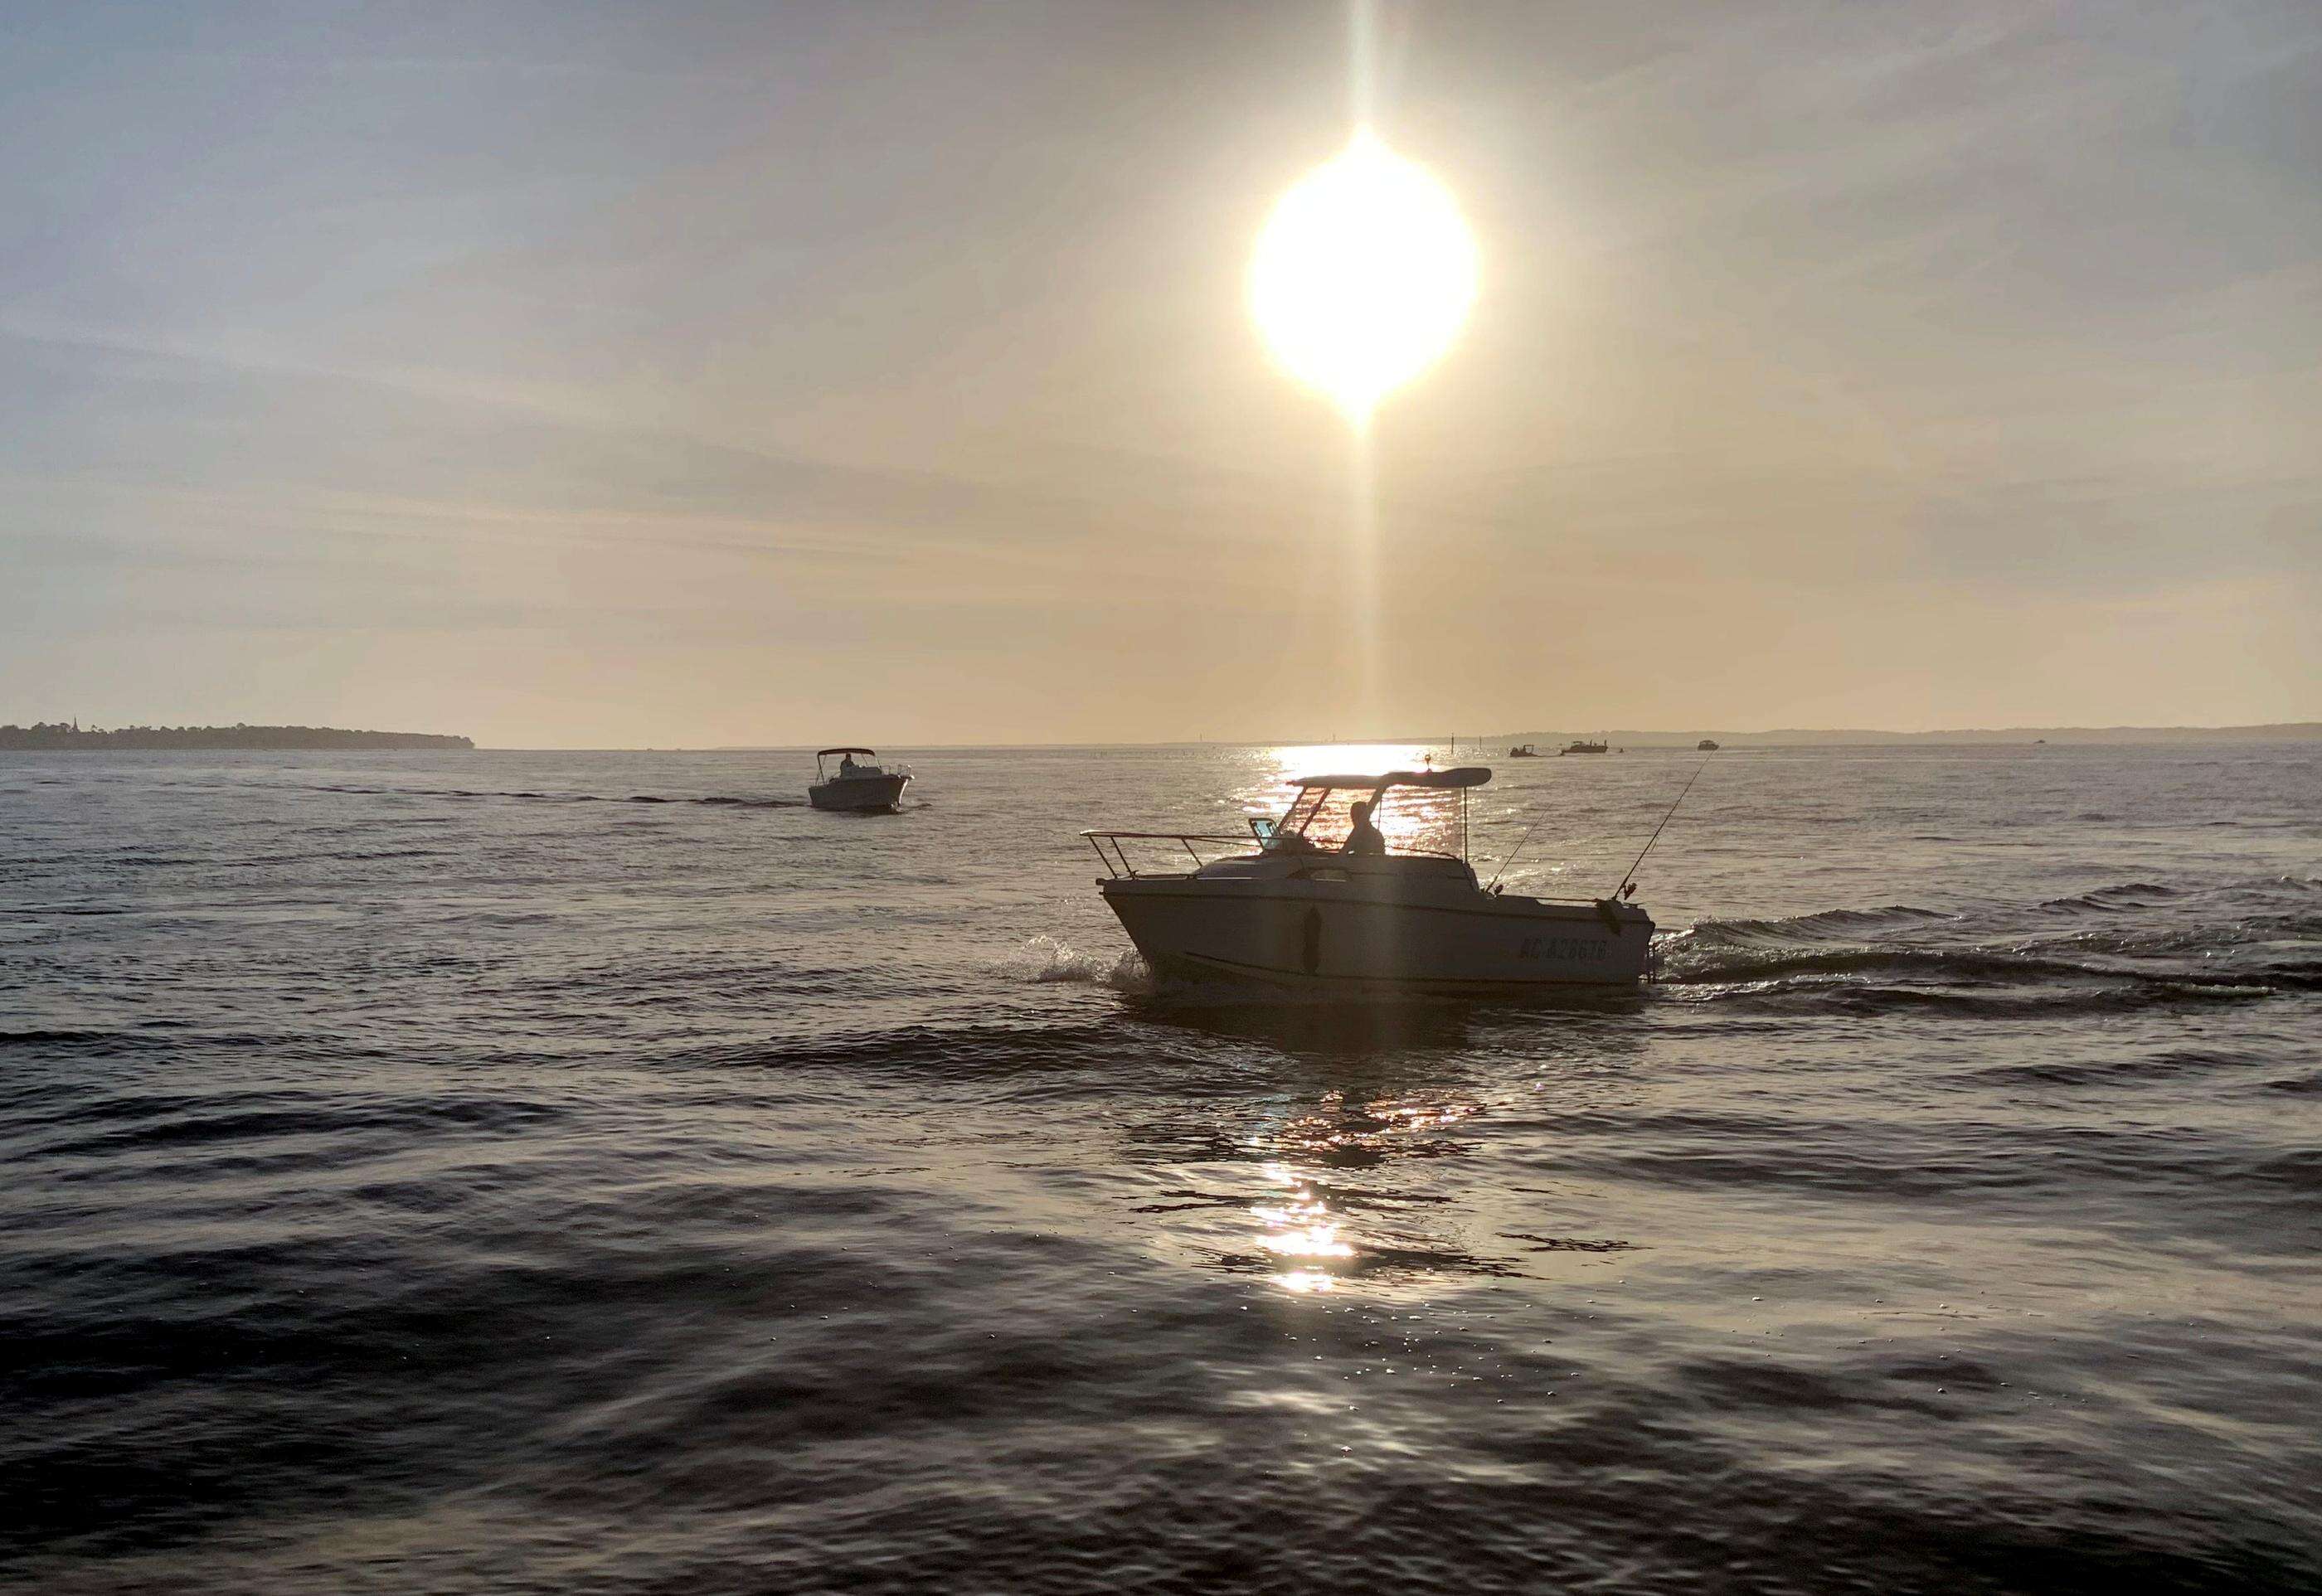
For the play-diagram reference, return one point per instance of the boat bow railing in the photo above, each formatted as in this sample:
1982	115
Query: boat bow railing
1110	847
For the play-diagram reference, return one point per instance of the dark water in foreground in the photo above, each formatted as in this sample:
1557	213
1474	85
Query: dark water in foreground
419	1179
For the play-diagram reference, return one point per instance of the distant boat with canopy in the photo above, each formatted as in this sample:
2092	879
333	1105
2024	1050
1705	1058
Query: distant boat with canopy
858	784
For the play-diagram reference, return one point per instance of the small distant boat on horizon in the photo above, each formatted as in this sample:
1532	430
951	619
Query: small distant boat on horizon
1707	745
1523	751
858	786
1583	745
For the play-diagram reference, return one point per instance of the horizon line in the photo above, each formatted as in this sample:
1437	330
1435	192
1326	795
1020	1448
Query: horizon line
2297	730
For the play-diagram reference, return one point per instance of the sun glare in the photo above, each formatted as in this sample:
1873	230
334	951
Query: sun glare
1362	275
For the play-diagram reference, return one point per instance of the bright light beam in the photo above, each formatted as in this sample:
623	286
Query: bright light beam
1362	277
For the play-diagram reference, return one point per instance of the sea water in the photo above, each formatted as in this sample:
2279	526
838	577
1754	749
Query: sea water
600	1171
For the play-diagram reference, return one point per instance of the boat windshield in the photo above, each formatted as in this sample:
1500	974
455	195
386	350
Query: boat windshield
1412	819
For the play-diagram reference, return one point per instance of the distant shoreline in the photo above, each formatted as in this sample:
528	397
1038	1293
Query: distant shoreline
47	737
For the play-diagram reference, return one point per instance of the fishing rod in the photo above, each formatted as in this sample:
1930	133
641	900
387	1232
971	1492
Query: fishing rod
1656	837
1510	859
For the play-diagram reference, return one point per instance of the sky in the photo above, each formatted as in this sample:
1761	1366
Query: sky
703	374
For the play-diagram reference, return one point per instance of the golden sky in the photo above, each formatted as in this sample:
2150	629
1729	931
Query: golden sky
720	374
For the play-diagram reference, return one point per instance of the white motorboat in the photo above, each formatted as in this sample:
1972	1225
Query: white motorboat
856	785
1298	915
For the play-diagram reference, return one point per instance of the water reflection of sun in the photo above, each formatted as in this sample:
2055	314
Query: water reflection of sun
1300	1227
1299	1232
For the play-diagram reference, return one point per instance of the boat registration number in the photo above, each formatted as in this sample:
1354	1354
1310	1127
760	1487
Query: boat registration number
1578	949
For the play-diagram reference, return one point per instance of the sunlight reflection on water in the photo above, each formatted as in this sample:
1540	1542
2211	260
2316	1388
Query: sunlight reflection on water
1350	1136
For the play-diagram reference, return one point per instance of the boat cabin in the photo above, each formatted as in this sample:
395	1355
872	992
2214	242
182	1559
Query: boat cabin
848	768
1296	830
1318	826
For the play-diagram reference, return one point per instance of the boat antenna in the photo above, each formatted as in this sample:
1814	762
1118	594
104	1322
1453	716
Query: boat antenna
1656	837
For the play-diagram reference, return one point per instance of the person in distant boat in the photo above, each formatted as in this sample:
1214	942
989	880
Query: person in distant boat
846	764
1364	838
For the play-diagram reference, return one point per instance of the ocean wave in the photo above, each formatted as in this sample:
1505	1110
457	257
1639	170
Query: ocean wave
2129	895
2032	962
2153	942
1829	924
1867	1000
956	1052
2107	1070
45	1038
715	800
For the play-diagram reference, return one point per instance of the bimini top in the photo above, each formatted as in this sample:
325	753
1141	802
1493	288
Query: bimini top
826	753
1458	776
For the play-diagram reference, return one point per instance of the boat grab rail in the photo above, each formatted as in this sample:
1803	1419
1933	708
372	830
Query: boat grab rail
1116	862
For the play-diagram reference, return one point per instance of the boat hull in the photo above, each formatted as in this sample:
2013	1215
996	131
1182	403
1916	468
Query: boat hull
1351	940
859	793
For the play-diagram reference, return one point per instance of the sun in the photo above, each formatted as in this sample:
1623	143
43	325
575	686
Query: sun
1362	275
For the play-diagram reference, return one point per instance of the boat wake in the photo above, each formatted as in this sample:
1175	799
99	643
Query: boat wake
2130	945
1049	959
717	800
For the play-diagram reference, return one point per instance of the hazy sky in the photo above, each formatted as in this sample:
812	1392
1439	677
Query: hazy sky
702	374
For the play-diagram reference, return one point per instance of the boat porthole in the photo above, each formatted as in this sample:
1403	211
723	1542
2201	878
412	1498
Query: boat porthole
1311	955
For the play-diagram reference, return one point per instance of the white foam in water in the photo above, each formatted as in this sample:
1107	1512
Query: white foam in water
1045	958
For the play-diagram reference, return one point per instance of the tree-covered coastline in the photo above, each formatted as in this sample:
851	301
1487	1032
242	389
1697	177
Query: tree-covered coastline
65	735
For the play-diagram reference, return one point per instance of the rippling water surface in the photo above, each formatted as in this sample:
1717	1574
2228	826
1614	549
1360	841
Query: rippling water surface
599	1172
